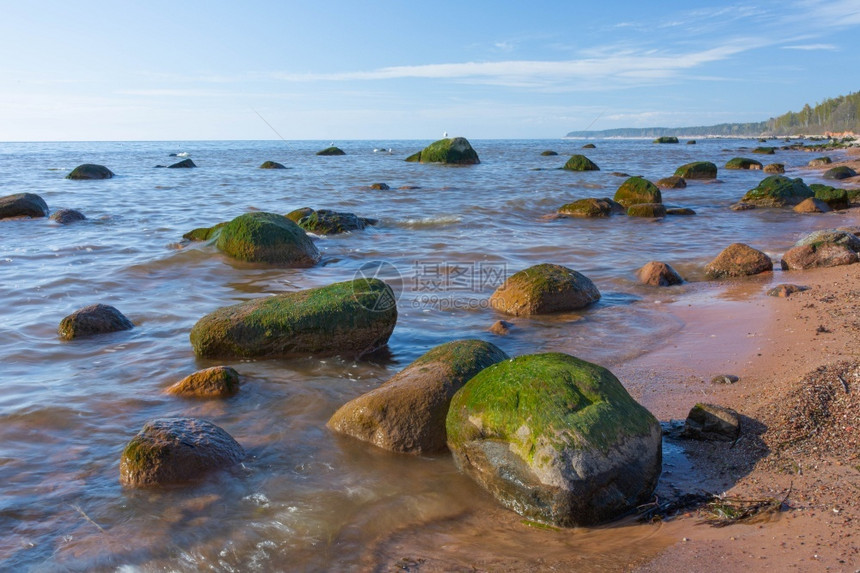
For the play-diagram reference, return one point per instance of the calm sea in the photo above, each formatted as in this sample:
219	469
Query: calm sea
305	499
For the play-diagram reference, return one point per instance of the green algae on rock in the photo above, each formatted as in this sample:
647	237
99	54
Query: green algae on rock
820	162
652	210
697	170
666	139
350	318
580	163
176	450
556	439
778	191
330	151
450	151
774	168
90	171
267	238
834	197
328	222
407	413
764	150
637	190
203	233
591	207
743	163
543	289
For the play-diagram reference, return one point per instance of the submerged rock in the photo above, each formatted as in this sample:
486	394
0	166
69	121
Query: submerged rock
592	207
272	165
267	238
743	163
778	191
328	151
351	318
712	423
786	290
66	216
580	163
90	171
764	150
176	450
23	205
652	210
738	260
93	319
680	211
450	151
407	413
327	222
380	186
556	439
184	164
215	382
697	170
543	289
656	273
637	190
673	182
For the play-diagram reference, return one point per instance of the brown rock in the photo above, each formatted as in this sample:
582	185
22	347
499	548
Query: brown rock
724	379
215	382
673	182
786	290
741	206
738	260
66	216
683	211
544	289
501	327
712	423
93	319
658	274
818	255
812	205
774	168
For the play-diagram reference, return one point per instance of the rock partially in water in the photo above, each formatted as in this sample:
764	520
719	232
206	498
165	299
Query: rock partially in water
544	289
637	190
203	233
272	165
184	164
556	439
666	139
841	172
580	163
697	170
712	423
90	171
501	327
23	205
407	413
656	273
592	207
329	151
680	211
691	142
778	191
811	205
66	216
450	151
653	210
738	260
267	238
589	146
93	319
835	198
786	290
327	222
351	319
673	182
548	153
214	382
744	163
764	150
820	162
380	186
774	168
176	450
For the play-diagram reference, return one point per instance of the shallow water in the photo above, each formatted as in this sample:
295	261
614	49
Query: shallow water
304	499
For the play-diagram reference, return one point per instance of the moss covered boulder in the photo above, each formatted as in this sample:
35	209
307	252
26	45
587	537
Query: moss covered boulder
697	170
267	238
92	320
655	273
637	190
834	197
272	165
666	139
350	318
556	439
738	260
778	191
543	289
743	163
90	171
23	205
774	168
820	162
548	153
176	450
653	210
331	151
203	233
673	182
580	163
407	413
592	207
328	222
841	172
215	382
450	151
764	150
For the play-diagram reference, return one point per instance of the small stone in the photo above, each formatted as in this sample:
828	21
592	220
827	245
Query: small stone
812	205
656	273
785	290
712	423
724	379
501	327
215	382
92	320
380	186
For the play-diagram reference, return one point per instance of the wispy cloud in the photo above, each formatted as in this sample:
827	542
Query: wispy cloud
811	47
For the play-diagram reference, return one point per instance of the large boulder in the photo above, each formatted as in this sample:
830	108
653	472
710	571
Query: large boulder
580	163
743	163
90	171
451	151
327	222
176	450
825	248
738	260
214	382
543	289
350	318
637	190
556	439
697	170
778	191
93	319
841	172
655	273
23	205
591	207
267	238
834	197
407	413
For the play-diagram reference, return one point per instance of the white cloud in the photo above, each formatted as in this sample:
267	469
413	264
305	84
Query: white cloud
811	47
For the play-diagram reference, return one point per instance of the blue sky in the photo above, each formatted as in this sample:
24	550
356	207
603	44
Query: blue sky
331	70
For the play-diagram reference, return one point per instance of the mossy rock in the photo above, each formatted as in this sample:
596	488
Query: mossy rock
774	168
272	165
820	162
589	146
407	413
666	139
591	207
351	318
673	182
556	439
214	382
637	190
90	171
543	289
327	222
652	210
203	233
92	320
853	195
738	260
764	150
841	172
176	450
548	153
778	191
743	163
691	142
299	214
697	170
267	238
831	236
184	164
834	197
450	151
328	151
23	205
580	163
